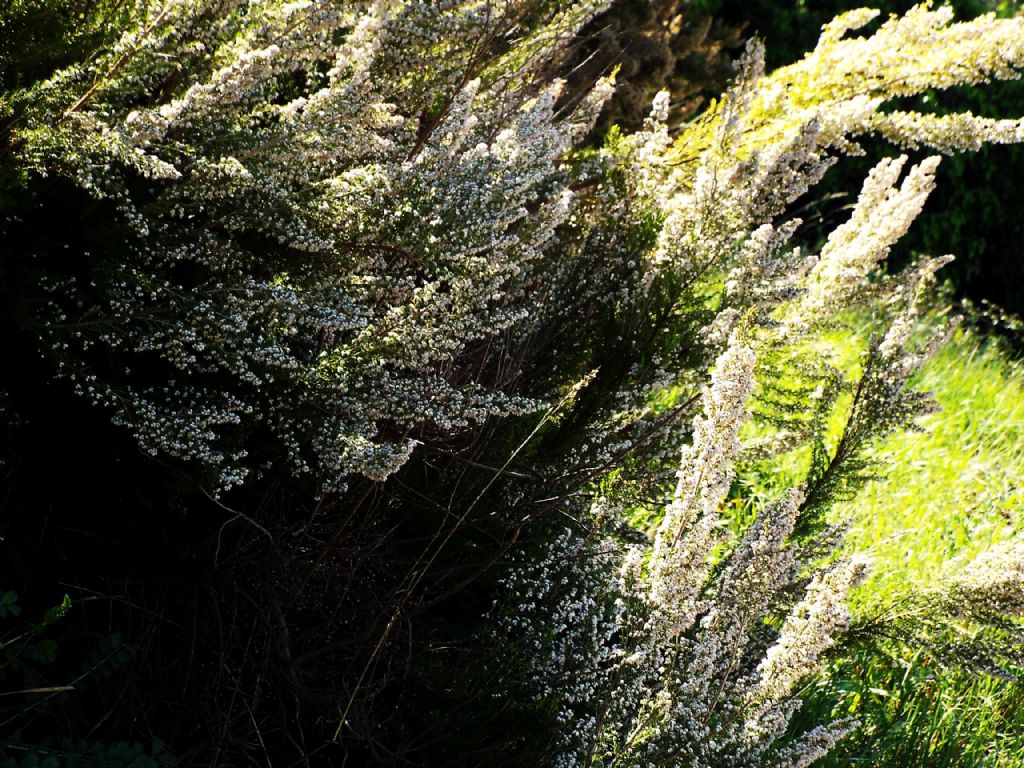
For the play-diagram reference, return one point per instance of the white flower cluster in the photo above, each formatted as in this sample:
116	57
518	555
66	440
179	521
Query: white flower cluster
773	136
808	631
667	656
845	81
883	214
558	603
679	562
323	242
994	581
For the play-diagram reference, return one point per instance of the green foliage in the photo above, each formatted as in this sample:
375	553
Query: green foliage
26	647
34	687
9	605
83	754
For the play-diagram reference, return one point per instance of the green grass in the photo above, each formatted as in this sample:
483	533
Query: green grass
955	489
948	493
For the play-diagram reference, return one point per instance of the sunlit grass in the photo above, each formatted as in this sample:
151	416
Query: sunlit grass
955	489
948	493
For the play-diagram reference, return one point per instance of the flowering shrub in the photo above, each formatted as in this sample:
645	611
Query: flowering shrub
340	240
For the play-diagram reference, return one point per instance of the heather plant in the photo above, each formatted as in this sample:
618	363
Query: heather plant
974	212
357	254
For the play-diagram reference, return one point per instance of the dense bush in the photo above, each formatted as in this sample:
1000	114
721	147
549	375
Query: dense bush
346	382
